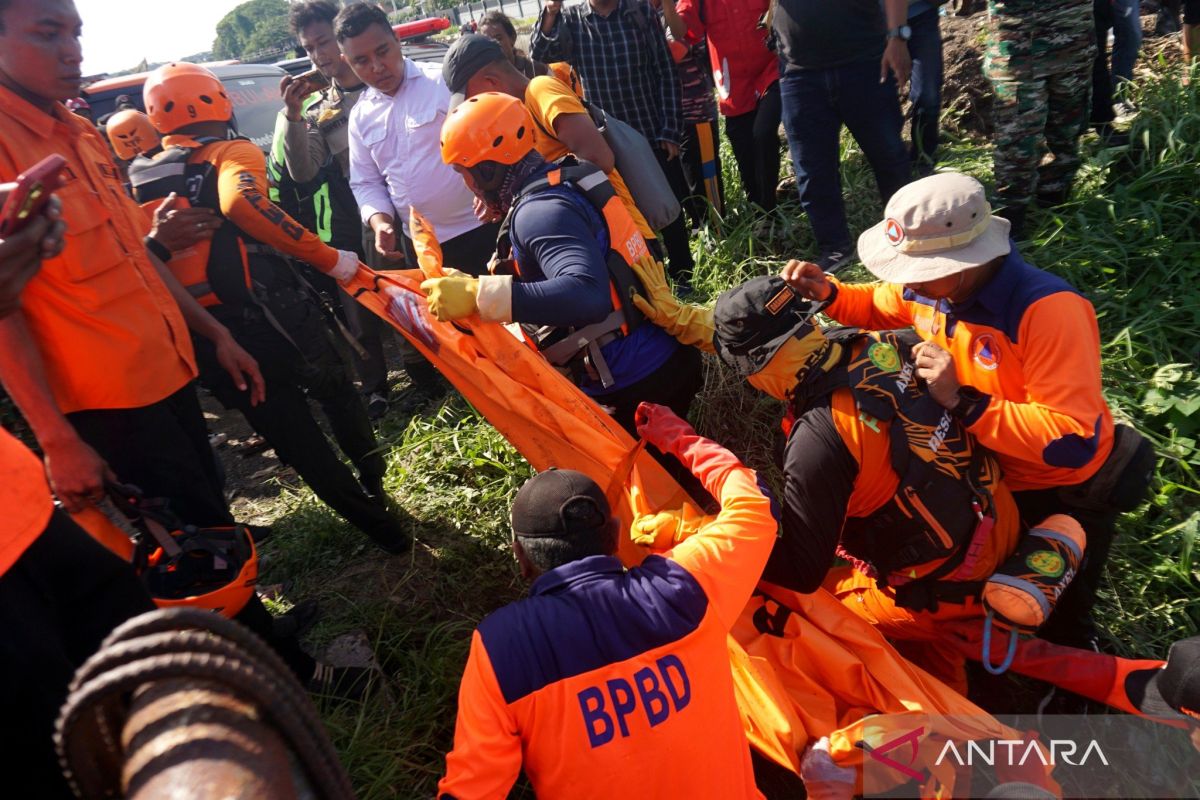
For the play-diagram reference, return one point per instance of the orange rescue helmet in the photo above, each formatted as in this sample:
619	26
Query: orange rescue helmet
178	94
131	133
487	127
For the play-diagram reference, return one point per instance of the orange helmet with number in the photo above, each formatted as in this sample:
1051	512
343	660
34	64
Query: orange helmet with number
179	93
131	133
487	127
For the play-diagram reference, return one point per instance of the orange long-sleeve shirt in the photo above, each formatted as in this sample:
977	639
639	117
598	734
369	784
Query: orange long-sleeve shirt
609	683
107	328
1030	343
242	186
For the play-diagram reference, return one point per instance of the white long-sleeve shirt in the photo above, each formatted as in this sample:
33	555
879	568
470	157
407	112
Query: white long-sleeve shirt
396	156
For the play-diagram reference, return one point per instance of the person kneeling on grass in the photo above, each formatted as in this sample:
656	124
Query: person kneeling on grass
603	668
572	253
1011	351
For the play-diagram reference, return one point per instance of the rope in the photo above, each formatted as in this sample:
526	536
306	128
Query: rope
185	644
985	657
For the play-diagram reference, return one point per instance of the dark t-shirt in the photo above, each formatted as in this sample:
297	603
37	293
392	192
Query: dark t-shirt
817	34
819	474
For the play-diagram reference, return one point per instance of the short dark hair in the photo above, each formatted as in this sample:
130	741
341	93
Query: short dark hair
305	13
355	18
550	552
498	17
595	535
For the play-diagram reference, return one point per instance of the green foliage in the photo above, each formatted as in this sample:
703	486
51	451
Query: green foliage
254	25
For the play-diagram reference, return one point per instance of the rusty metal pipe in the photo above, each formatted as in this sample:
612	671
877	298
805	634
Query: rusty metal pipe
189	739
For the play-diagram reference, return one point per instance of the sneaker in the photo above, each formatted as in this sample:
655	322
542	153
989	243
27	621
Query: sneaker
215	440
1125	111
377	405
342	683
299	620
833	260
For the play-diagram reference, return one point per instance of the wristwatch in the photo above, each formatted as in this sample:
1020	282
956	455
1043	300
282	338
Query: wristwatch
968	399
903	33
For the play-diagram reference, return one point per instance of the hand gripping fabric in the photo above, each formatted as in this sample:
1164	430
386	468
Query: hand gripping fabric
785	701
453	297
691	325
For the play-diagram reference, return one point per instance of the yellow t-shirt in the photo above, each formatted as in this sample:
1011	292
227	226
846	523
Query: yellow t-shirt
547	98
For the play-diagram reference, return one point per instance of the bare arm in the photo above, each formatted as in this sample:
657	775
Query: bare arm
579	134
896	57
675	23
75	471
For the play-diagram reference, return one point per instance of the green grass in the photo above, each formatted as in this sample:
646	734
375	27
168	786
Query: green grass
1127	239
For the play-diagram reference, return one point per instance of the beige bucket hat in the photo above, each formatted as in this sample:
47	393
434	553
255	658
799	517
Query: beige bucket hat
934	227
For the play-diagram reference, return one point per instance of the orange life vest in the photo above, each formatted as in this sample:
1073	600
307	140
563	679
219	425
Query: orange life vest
943	500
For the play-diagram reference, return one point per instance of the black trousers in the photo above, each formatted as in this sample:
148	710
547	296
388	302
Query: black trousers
696	205
1070	622
675	237
1102	88
57	603
367	329
754	137
163	449
306	366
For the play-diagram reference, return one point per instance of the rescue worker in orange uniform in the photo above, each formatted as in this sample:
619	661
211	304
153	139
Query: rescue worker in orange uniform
568	249
243	277
875	471
607	682
98	357
60	592
1013	352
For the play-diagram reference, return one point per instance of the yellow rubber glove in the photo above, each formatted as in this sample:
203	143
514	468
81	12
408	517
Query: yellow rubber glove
665	529
453	297
691	325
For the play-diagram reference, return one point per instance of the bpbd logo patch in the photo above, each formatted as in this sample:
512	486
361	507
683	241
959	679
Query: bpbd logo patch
986	352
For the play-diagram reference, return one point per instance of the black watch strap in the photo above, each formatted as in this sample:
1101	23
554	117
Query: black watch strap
158	248
968	398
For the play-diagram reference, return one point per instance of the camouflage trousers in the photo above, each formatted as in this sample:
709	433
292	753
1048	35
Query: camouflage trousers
1040	67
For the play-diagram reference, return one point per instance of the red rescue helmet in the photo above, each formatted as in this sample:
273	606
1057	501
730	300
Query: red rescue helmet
179	93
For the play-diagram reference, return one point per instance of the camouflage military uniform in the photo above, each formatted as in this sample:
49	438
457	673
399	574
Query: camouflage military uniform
1039	60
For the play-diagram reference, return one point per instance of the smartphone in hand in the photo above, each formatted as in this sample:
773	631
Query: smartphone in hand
314	81
29	195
